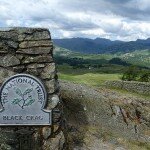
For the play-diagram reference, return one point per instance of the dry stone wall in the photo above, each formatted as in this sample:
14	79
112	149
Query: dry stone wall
133	86
30	51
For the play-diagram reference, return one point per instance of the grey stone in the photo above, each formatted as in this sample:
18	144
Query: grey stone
13	44
134	86
35	50
9	35
5	73
57	116
52	101
33	34
120	148
46	132
29	44
8	45
38	59
19	69
8	140
49	71
9	60
3	50
26	30
56	143
35	69
20	56
51	86
33	66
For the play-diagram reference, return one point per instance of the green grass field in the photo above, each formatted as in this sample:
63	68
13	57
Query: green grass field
92	77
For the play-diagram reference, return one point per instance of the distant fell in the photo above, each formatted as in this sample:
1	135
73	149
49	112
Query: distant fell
101	45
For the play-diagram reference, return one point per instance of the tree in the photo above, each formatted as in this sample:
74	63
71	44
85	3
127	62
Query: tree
145	77
131	74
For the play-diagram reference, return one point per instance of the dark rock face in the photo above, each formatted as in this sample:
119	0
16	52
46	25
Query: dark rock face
105	119
29	50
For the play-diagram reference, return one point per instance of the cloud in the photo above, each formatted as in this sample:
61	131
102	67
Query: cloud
113	19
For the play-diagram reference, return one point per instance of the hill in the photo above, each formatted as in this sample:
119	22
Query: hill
138	57
101	45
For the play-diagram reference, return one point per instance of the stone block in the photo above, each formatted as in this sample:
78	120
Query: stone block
29	44
49	71
8	46
19	69
8	34
5	73
53	101
56	143
51	86
32	34
9	60
46	132
35	50
38	59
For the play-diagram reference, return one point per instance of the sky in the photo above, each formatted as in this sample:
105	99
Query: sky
125	20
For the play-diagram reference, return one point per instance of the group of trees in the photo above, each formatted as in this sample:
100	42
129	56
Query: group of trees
80	62
134	73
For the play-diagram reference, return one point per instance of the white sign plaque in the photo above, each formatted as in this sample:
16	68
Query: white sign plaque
22	101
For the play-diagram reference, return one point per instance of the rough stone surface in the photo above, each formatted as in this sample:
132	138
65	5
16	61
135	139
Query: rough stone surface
35	50
12	44
53	101
51	86
31	34
56	143
38	59
5	73
49	71
29	50
29	44
105	119
8	34
134	86
19	69
9	60
46	132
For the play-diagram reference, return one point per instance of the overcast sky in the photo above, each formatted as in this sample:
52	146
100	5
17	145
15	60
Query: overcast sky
112	19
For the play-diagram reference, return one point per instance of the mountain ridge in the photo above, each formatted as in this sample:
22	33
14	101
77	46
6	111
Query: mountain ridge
101	45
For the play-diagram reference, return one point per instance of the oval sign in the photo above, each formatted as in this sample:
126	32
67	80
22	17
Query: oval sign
23	98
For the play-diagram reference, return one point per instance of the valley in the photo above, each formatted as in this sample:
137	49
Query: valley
112	116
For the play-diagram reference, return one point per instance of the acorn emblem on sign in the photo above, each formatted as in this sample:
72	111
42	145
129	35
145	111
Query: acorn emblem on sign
25	98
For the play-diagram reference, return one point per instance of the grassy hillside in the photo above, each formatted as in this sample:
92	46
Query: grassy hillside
94	69
140	58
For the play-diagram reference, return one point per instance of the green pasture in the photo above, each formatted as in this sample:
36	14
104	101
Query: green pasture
92	79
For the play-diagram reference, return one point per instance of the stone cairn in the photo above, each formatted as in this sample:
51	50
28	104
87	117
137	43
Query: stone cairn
29	50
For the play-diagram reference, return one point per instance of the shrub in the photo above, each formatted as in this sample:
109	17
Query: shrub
133	73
